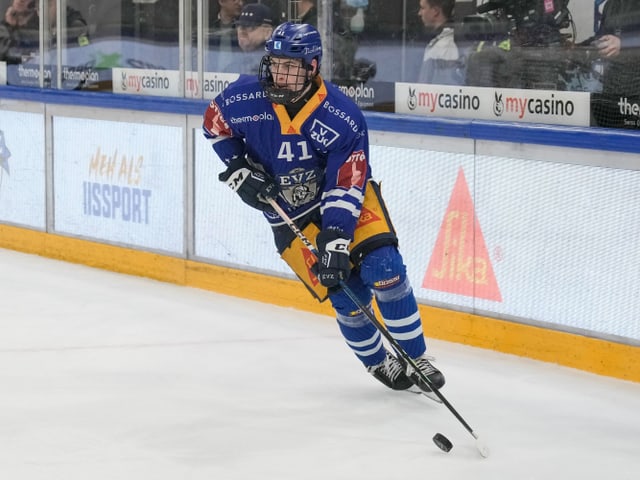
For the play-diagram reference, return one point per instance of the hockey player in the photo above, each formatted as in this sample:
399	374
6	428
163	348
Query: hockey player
291	136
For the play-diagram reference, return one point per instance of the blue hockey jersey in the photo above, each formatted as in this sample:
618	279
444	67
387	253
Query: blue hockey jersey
320	158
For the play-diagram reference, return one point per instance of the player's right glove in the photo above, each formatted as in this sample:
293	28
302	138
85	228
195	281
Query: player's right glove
253	185
333	262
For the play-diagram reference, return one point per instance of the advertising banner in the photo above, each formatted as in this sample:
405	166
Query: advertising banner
370	95
72	77
22	169
120	182
616	111
138	81
518	238
486	103
213	83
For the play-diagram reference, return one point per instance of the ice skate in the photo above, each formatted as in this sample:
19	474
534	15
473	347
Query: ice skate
391	373
435	376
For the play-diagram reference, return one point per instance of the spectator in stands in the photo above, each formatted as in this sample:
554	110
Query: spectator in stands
442	62
253	28
223	39
279	10
619	27
19	29
617	41
344	42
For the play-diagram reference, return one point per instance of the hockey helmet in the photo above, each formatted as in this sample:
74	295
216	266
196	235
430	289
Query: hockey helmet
291	40
295	41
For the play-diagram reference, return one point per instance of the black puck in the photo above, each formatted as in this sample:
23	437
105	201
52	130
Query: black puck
442	442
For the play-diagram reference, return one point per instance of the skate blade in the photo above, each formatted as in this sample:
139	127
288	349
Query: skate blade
430	395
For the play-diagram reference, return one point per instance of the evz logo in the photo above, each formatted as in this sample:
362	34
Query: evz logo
323	134
299	186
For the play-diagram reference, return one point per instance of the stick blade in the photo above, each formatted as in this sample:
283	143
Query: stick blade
482	448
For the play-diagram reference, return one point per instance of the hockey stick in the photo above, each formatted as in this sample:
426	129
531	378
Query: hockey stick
482	449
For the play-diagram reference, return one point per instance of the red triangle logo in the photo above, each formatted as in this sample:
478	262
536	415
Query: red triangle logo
366	217
460	262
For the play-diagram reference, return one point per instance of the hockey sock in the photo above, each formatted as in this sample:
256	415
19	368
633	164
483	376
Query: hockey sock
364	339
399	310
384	271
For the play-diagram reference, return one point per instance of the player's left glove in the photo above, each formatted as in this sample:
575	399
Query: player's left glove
253	185
333	261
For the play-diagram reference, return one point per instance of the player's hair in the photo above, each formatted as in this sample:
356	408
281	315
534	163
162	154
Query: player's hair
446	6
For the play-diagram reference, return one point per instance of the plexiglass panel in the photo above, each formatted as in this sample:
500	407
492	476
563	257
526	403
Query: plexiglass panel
372	49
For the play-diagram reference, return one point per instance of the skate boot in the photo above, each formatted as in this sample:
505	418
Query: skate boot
390	372
434	375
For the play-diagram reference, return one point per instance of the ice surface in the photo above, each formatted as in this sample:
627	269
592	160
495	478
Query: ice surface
107	377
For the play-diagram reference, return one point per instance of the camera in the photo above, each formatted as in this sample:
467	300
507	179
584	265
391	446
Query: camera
512	40
528	22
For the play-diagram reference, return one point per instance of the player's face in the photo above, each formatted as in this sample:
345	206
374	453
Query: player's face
288	73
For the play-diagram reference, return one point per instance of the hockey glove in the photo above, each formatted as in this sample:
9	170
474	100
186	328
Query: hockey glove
253	185
333	261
